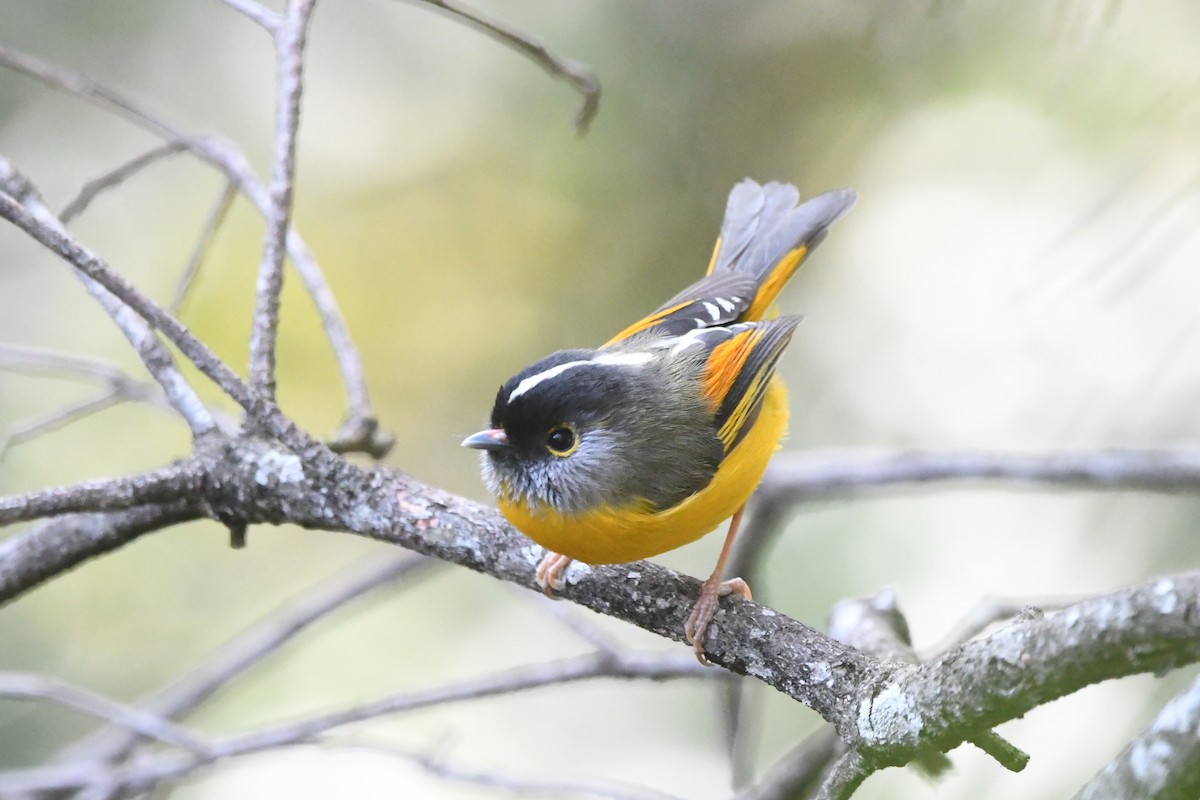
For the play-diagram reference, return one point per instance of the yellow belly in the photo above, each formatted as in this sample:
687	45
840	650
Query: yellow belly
614	535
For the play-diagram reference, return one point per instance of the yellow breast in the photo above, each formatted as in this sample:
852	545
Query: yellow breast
617	535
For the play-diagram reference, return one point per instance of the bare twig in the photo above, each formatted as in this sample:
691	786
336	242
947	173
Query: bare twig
108	494
360	431
793	479
845	777
34	360
435	764
263	17
20	686
991	611
290	38
119	388
584	629
798	773
579	76
216	216
1113	468
53	420
55	546
19	199
153	770
55	238
570	670
249	648
115	177
1162	762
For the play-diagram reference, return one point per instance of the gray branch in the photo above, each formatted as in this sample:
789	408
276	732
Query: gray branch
250	647
797	477
360	431
581	78
1162	762
51	548
290	35
889	713
107	494
18	196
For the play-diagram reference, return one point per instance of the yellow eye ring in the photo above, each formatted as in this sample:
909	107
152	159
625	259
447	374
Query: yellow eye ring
562	440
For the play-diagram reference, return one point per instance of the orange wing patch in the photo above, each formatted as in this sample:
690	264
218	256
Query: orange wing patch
770	288
725	365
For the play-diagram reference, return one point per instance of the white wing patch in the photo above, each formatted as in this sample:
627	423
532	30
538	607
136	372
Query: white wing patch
611	359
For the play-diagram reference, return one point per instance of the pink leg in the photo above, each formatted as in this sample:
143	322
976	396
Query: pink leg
711	592
550	572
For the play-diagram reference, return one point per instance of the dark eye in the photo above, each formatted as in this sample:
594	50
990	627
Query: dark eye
562	440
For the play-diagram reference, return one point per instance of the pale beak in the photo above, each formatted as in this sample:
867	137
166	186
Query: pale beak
493	440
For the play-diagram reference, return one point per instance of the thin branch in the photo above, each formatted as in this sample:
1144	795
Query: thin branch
991	611
578	75
57	545
19	199
59	418
35	360
360	431
518	679
253	645
1112	468
114	178
1161	763
847	775
216	217
263	17
794	479
108	494
289	53
798	773
146	773
435	764
570	618
55	238
20	686
119	388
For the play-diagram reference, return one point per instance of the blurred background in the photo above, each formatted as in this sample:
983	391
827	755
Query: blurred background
1020	272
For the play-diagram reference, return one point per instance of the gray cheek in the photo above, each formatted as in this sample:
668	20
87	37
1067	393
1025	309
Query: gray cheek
589	477
491	477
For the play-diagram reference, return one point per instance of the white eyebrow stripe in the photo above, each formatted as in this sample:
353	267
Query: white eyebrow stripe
712	310
611	359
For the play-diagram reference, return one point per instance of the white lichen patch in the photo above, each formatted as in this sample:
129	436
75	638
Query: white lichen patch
1072	616
1114	612
889	718
276	467
845	619
1150	764
819	672
1168	599
633	575
1180	715
576	571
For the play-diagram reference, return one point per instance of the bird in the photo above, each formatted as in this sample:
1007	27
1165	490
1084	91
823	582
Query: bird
652	440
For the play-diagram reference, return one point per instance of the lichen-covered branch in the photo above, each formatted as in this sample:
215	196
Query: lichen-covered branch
55	546
1163	760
